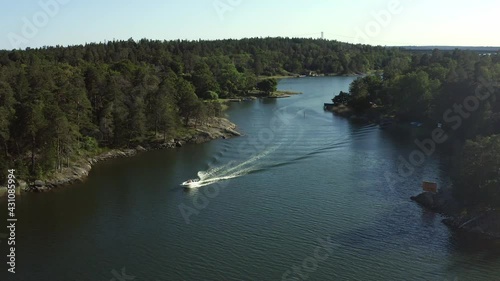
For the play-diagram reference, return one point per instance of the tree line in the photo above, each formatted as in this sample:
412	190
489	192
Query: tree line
58	104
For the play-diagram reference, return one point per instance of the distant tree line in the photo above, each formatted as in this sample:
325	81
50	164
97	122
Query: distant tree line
58	104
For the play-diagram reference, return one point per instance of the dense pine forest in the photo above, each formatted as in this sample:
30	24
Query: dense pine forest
58	104
459	90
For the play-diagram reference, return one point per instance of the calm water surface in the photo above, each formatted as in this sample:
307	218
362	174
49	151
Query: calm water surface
298	175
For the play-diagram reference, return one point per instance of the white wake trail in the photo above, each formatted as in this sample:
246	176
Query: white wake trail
233	169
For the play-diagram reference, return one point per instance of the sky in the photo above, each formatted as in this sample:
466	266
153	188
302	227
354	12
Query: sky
37	23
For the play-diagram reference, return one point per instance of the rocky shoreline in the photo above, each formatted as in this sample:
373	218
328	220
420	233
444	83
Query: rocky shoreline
480	222
216	128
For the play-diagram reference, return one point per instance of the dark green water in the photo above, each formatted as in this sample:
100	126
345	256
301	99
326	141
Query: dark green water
299	175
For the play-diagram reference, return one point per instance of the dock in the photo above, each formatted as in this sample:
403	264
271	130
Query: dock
328	106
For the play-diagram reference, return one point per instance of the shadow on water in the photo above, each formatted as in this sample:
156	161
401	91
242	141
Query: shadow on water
472	253
420	234
268	101
471	244
429	218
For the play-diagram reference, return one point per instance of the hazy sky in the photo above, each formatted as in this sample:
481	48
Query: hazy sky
29	23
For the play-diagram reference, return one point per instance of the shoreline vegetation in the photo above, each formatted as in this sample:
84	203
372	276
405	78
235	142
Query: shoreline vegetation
372	115
254	95
450	100
77	171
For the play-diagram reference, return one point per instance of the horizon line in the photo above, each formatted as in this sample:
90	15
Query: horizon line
244	38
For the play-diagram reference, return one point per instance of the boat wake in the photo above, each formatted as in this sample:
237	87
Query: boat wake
232	169
290	135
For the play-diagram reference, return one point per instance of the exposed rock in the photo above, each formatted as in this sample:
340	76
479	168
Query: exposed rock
426	199
483	223
43	188
178	144
39	183
204	133
216	128
115	153
166	145
22	185
232	132
140	148
82	171
442	202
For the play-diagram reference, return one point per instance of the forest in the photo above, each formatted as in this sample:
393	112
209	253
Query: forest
457	89
58	104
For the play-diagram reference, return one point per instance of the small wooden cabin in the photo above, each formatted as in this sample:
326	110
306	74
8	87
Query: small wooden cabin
430	186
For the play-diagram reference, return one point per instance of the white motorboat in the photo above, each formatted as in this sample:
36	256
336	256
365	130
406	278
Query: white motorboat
190	183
